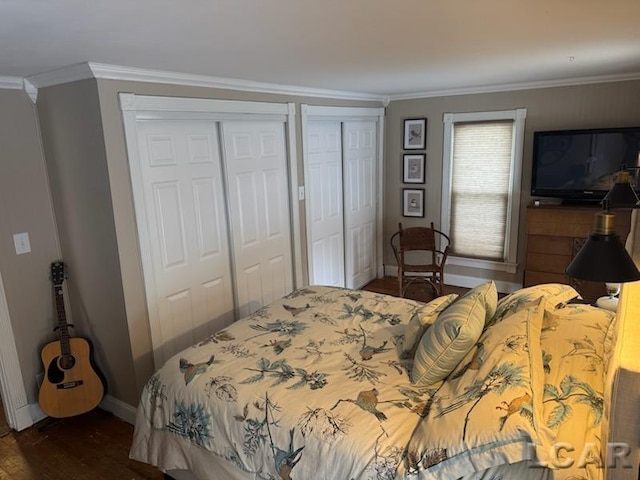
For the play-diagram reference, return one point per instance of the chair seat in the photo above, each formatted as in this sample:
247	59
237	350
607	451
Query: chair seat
407	267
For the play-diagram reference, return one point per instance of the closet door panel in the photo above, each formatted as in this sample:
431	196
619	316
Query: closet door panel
249	288
256	168
168	206
205	199
359	147
325	197
246	208
189	287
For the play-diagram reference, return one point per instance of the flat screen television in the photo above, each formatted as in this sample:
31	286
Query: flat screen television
579	165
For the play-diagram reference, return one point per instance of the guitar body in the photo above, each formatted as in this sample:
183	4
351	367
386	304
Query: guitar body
71	385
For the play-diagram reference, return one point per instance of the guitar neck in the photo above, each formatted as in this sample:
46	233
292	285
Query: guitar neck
63	326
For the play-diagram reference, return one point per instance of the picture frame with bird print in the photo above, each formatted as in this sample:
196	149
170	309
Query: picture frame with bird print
415	134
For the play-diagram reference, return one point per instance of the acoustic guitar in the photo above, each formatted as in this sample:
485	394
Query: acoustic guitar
71	384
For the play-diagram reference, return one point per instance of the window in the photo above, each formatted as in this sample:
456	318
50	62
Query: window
481	187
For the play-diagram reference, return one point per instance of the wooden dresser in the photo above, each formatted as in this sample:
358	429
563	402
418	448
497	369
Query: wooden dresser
555	234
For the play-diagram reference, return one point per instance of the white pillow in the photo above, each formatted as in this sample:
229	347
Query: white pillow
453	334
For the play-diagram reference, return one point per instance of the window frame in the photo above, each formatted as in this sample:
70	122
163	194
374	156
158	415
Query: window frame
518	116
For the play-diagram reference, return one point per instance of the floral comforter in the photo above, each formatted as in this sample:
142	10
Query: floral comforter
313	386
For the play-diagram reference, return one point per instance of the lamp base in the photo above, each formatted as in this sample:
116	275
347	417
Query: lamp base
608	303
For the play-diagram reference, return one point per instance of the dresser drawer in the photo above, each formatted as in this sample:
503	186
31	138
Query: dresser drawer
546	262
532	277
550	244
560	222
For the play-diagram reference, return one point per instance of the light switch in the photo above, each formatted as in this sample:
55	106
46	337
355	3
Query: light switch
21	241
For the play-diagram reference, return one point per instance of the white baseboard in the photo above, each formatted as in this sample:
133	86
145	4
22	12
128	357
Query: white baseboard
36	413
31	414
119	408
464	280
23	417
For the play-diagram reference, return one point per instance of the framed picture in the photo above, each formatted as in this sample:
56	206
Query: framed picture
415	133
413	202
413	167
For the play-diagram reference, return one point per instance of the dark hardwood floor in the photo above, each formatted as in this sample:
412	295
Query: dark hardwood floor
95	446
417	291
4	428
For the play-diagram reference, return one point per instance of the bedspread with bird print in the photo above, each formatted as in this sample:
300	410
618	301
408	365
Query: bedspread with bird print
313	386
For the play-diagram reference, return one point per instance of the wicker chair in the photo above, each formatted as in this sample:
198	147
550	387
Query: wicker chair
420	243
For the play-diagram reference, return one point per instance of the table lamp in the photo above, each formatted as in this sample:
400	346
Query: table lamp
603	258
622	194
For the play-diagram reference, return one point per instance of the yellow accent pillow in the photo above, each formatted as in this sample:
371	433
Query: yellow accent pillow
453	334
423	319
555	294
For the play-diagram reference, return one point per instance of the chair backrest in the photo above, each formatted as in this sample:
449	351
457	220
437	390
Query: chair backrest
419	238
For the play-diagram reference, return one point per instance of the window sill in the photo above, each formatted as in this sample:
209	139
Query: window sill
483	264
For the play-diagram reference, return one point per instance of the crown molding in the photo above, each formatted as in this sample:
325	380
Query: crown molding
13	83
19	83
72	73
115	72
31	90
566	82
88	70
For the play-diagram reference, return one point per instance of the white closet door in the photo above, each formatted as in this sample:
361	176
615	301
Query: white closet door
258	193
190	292
324	194
359	146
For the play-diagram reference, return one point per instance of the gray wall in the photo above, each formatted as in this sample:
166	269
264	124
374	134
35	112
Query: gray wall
597	105
74	149
25	206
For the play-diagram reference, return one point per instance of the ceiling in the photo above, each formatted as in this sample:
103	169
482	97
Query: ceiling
386	47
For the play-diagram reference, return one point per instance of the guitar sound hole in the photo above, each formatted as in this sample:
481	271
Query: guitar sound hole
54	374
67	362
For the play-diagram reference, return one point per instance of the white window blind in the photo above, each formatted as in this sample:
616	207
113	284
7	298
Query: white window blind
480	188
482	164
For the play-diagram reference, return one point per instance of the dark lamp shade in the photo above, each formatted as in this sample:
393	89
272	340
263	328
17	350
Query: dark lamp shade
622	195
603	258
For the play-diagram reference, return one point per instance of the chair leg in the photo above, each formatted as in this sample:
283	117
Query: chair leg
435	288
400	281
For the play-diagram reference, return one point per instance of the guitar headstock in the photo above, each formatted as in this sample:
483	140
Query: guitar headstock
58	273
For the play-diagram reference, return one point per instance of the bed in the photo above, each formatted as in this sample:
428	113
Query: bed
331	383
